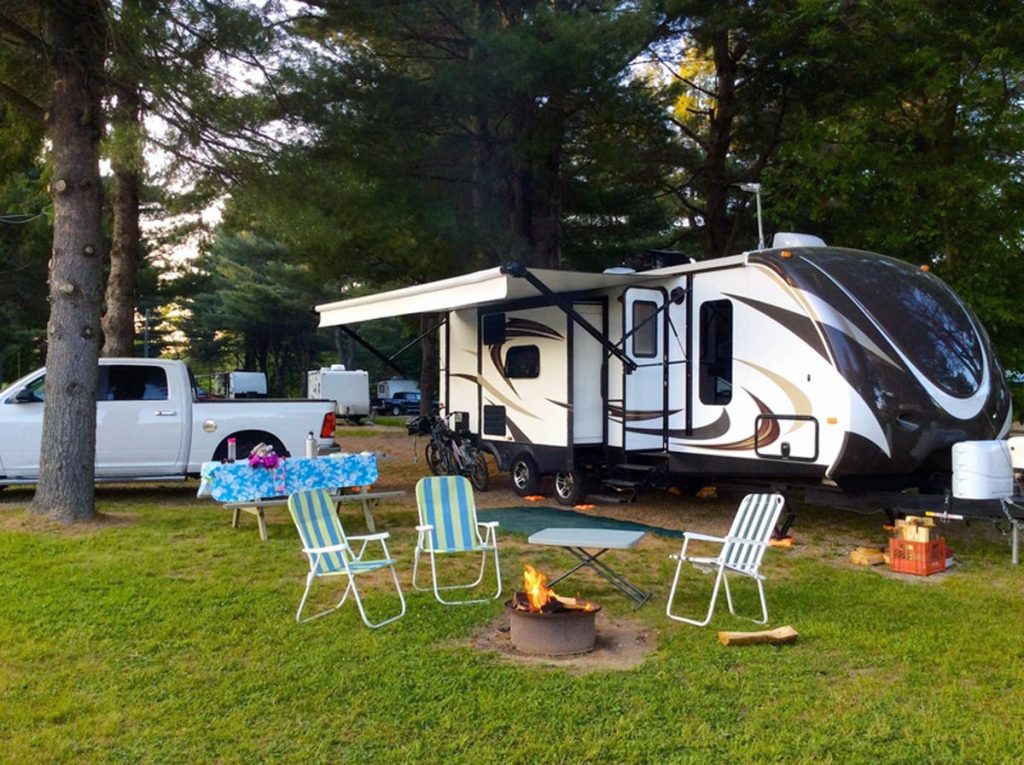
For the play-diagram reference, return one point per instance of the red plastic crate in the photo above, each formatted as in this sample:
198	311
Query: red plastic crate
920	558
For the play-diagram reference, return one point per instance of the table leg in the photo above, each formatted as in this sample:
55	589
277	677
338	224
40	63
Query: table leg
371	524
235	515
262	521
616	579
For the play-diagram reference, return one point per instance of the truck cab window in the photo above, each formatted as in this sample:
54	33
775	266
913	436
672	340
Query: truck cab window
716	352
522	362
132	383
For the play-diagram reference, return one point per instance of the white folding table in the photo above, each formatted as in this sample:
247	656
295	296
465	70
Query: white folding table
580	541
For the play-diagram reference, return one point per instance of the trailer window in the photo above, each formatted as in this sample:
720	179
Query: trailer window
716	352
523	361
645	329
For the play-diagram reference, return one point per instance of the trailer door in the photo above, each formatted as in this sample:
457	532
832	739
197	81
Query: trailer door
645	408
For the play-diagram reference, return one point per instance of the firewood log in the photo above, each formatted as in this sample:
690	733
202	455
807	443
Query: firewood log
777	636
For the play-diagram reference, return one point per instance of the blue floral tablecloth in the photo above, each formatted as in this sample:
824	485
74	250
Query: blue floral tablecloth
237	482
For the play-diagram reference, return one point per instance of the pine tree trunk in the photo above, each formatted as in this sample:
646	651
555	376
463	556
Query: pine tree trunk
76	33
428	356
125	253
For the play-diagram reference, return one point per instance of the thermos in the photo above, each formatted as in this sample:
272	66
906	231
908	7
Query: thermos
311	445
232	450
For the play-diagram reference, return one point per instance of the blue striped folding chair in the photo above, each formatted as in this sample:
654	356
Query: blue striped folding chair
448	525
741	552
330	552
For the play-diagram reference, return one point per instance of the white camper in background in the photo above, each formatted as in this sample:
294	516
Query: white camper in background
388	388
800	365
350	389
239	384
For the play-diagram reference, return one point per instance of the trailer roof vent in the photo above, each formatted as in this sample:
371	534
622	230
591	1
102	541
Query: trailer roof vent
787	239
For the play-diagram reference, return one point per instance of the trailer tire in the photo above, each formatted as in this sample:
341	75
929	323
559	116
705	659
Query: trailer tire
525	475
568	487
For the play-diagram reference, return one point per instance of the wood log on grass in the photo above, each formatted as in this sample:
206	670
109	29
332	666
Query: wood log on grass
777	636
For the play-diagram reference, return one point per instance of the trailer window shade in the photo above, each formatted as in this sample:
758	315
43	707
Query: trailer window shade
522	362
645	332
716	352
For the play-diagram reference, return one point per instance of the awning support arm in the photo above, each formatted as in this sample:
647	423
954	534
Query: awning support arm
521	272
369	346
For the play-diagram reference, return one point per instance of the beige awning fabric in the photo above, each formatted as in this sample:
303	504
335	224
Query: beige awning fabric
476	289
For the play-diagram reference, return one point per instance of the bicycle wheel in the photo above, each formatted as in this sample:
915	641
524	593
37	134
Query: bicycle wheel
433	455
479	475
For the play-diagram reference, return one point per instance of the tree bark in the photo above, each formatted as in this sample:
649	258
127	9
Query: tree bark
716	176
76	32
428	356
126	249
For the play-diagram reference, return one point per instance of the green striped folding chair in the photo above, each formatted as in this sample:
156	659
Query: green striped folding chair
447	525
741	552
330	552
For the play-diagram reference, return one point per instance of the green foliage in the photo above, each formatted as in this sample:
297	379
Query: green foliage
915	150
249	303
26	234
166	635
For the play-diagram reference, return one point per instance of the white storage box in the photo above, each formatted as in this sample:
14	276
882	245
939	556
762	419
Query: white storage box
982	470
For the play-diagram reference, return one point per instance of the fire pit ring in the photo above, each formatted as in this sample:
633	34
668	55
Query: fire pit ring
561	633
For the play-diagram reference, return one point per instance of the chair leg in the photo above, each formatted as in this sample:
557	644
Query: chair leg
438	588
362	610
764	604
728	595
309	585
711	607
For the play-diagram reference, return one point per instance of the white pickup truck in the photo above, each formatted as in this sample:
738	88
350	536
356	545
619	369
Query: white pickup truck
149	425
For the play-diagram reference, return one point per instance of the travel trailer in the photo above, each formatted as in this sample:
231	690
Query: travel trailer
348	388
799	365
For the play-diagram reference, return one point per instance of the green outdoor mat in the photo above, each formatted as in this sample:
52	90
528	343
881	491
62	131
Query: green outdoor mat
527	520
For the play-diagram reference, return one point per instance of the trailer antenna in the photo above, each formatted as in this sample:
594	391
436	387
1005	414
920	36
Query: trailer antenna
755	189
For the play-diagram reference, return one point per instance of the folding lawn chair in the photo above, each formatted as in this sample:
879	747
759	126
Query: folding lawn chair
448	524
330	552
741	553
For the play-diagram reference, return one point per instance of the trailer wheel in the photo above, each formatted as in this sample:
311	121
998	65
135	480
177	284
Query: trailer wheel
568	487
525	475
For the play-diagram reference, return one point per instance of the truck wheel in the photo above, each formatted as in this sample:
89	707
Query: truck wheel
568	487
525	475
396	410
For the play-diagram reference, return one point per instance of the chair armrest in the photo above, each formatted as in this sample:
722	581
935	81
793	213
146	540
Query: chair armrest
328	549
702	537
370	537
425	527
488	524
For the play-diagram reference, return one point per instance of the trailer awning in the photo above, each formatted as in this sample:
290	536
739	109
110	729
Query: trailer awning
476	289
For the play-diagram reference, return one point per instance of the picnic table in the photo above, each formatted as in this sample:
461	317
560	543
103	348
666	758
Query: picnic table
245	489
580	541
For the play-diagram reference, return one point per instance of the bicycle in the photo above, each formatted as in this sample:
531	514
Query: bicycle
448	453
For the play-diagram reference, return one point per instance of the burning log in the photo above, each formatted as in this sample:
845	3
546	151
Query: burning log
543	622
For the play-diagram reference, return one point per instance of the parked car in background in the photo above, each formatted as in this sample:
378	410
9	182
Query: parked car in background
403	402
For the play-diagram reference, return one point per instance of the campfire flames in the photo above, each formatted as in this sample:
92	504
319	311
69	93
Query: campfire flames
539	598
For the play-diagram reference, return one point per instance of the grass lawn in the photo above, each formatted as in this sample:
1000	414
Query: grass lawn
164	635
